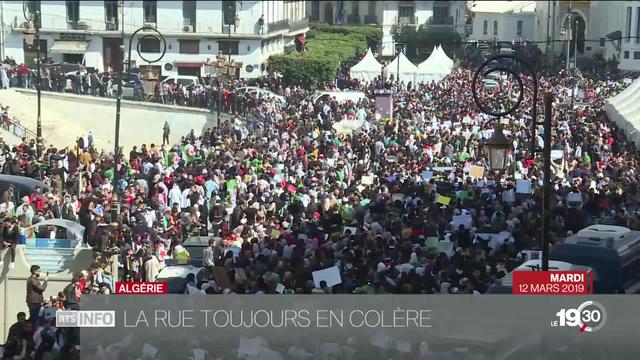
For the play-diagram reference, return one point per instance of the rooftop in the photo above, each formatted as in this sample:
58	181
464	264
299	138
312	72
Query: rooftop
502	7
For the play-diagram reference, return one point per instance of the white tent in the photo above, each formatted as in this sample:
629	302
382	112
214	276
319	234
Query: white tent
435	68
406	68
367	69
624	110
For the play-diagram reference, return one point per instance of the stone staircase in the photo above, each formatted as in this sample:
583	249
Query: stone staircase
52	256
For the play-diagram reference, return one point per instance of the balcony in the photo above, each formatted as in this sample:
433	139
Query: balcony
440	21
298	25
278	25
407	20
353	19
370	19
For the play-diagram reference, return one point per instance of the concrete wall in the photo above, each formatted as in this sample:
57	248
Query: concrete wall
65	117
13	289
507	26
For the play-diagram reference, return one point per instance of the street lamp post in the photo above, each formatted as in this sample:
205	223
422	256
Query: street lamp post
32	34
155	34
499	145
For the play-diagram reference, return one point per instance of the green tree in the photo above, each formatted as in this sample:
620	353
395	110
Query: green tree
419	42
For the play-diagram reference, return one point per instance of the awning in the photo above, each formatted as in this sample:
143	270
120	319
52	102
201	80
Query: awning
301	39
189	64
69	47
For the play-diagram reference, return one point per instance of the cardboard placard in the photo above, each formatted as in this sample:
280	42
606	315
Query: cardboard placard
350	228
443	200
330	275
445	247
367	180
476	172
465	220
397	196
432	243
574	198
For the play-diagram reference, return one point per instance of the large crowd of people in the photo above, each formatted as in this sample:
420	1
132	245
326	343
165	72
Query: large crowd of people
396	205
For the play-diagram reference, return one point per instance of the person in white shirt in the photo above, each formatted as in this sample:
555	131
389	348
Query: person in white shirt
175	195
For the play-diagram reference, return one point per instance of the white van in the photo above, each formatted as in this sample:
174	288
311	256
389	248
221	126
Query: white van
340	96
185	80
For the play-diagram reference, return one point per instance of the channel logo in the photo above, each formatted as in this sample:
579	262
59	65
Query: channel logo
590	316
87	319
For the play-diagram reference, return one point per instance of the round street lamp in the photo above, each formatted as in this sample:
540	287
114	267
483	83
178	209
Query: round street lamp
498	147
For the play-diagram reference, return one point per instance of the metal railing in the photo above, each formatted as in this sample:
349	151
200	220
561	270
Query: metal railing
353	19
370	19
278	25
407	20
440	20
298	25
16	129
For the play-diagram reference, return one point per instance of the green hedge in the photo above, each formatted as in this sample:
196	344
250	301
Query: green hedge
327	47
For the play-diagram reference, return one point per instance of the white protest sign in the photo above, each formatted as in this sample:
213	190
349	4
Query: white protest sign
367	180
508	196
557	154
495	240
426	175
350	228
250	346
403	346
574	197
465	220
445	247
380	340
330	275
397	196
280	288
523	186
149	351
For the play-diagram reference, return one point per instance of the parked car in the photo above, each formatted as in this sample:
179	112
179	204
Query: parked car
340	96
185	80
176	276
262	94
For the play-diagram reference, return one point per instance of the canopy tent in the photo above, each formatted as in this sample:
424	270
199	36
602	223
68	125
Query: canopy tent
624	110
367	69
435	68
406	68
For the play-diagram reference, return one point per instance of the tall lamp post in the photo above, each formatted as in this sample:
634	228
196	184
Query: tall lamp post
499	145
152	33
32	36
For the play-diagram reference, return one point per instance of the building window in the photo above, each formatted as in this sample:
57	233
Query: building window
73	10
189	13
229	9
150	11
150	45
189	46
495	27
485	27
406	11
228	47
111	14
315	10
636	55
626	54
32	8
627	35
372	8
355	8
637	25
519	28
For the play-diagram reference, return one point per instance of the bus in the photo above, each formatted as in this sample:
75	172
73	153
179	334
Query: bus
612	251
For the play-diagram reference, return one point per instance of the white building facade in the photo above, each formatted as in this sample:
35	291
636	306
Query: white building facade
595	20
90	32
502	20
391	15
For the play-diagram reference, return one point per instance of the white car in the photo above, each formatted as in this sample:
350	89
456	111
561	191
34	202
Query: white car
185	80
176	276
263	94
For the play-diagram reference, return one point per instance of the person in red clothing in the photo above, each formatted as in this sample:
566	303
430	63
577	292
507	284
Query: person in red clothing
23	72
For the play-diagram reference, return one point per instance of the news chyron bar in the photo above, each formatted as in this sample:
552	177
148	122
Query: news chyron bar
548	315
